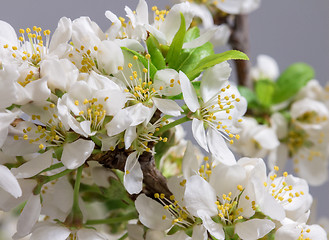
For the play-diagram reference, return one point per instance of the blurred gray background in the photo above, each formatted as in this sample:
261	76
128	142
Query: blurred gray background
288	30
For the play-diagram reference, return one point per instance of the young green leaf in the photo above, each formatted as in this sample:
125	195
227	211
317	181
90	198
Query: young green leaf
190	58
214	59
144	61
176	45
291	81
156	55
264	91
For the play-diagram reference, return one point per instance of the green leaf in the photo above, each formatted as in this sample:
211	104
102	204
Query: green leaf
176	45
214	59
147	64
295	77
192	34
153	49
264	90
249	95
190	58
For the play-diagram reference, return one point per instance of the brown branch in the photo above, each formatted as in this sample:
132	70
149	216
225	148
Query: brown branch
239	40
154	181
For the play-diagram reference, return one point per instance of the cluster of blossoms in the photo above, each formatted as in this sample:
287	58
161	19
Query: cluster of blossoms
294	127
87	116
238	201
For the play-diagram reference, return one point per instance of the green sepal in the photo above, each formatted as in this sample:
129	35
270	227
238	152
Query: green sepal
229	233
264	91
176	45
96	140
153	49
71	137
147	64
173	230
59	93
295	77
58	152
214	59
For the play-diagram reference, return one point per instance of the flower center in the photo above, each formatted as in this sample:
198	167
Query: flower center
280	190
52	134
228	207
181	216
31	47
92	111
216	112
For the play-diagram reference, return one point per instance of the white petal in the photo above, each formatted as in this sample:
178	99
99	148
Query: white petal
28	217
135	231
270	207
205	37
34	166
139	113
109	57
189	94
130	136
173	20
120	122
7	34
200	196
76	153
218	147
199	233
6	118
254	228
89	234
142	12
190	163
163	79
199	133
287	232
151	212
9	183
238	6
315	171
37	90
62	33
214	79
57	202
267	138
130	43
50	231
133	178
168	106
8	75
316	232
215	229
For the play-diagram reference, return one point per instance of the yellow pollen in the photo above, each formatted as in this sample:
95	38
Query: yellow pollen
276	168
41	146
239	187
76	103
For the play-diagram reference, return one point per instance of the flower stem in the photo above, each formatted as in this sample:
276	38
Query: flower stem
172	124
112	220
76	208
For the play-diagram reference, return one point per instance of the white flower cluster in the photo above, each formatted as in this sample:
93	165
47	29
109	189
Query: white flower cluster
296	128
239	201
